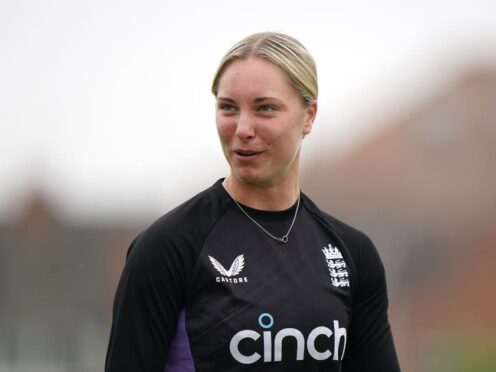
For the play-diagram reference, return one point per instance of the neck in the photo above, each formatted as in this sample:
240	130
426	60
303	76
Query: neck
276	197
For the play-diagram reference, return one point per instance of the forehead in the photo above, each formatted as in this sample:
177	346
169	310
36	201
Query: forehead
254	76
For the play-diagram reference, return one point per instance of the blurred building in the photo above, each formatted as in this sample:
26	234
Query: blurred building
57	282
424	189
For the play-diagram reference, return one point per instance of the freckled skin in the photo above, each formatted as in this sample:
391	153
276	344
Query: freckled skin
260	112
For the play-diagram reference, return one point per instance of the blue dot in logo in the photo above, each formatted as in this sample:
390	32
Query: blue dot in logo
270	322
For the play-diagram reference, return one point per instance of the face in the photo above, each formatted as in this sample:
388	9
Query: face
261	120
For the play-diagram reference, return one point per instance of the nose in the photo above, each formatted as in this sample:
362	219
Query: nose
245	126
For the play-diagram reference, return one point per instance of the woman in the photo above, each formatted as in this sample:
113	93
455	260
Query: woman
250	275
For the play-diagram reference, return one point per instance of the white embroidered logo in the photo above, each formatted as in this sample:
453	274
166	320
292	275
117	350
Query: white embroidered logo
235	269
337	266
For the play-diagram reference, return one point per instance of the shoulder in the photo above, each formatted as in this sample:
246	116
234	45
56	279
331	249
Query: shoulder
200	211
365	258
352	237
185	227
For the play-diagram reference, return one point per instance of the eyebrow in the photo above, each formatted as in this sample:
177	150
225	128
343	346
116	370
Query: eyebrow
260	99
225	99
257	100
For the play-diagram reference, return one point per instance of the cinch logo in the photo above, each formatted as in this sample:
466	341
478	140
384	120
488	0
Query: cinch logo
271	346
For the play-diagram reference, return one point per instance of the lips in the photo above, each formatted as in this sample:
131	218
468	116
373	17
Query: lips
246	153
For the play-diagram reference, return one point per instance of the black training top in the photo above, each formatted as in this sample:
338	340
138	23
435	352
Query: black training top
205	289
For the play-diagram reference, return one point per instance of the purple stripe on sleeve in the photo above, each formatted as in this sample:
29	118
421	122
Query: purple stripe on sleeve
179	358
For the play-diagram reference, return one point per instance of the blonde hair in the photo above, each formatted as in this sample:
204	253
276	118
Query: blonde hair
283	51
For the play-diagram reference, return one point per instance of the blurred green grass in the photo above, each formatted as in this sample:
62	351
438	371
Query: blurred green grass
459	355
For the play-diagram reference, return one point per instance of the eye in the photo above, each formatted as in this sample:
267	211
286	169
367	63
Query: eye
226	107
266	108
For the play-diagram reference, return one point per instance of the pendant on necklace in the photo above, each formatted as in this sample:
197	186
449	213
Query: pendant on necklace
284	238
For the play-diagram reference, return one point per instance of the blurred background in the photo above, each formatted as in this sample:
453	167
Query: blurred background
106	122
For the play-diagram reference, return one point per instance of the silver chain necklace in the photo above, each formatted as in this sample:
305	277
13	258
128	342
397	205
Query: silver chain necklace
284	238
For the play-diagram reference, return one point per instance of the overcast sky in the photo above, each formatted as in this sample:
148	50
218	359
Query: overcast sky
105	105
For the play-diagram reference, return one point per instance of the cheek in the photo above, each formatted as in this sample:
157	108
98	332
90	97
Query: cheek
285	143
280	136
225	129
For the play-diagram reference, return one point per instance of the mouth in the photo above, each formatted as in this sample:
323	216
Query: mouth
246	154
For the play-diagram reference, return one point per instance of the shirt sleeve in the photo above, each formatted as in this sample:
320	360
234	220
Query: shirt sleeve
371	343
146	306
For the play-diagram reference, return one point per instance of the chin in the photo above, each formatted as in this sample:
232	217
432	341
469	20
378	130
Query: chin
256	179
262	177
253	178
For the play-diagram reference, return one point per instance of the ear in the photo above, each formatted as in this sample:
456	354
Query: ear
310	117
